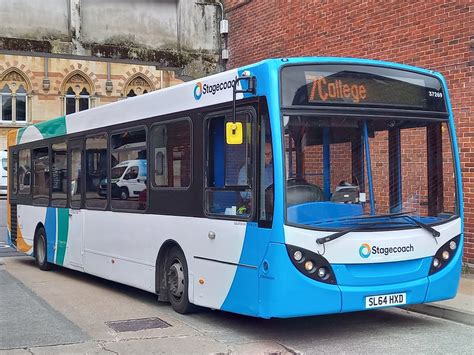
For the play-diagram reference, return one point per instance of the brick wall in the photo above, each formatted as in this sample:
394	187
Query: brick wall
433	34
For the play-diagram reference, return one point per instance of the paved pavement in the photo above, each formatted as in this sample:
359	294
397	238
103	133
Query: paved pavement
460	309
83	305
19	306
64	311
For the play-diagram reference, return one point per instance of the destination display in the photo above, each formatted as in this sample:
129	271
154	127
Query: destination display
307	85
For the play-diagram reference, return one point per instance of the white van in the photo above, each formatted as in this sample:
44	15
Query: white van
3	172
128	179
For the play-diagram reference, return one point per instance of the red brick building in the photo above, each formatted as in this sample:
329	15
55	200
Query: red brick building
437	35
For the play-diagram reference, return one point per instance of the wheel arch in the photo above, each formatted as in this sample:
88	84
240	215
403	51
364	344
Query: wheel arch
160	279
38	226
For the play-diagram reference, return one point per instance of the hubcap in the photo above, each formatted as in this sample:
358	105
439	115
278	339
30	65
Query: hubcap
176	279
40	249
124	195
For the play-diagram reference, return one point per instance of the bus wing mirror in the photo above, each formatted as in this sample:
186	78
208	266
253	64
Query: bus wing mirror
234	133
251	89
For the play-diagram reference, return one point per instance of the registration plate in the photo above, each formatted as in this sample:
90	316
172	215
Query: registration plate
394	299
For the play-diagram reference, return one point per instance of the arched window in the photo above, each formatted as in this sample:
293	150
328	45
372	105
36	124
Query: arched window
77	96
14	99
21	104
6	103
138	86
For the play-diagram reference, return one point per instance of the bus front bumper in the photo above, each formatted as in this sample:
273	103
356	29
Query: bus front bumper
285	292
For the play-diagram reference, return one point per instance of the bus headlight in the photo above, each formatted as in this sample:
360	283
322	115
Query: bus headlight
452	245
444	255
322	273
311	264
298	255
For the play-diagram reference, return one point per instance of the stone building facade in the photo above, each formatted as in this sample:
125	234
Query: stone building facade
36	88
433	34
62	56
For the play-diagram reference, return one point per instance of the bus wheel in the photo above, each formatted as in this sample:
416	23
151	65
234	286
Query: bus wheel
124	193
41	251
178	281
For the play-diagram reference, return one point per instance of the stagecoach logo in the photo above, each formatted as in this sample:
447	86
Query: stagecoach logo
198	91
203	89
365	250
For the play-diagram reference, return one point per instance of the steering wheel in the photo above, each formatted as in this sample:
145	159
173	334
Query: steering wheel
298	191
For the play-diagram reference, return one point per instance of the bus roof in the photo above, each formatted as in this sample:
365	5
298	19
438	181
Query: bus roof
207	91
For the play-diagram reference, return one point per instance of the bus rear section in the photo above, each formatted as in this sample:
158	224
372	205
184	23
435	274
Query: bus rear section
3	172
371	191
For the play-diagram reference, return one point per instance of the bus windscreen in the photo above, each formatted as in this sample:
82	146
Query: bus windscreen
359	85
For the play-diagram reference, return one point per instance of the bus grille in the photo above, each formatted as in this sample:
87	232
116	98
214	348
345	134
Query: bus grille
13	223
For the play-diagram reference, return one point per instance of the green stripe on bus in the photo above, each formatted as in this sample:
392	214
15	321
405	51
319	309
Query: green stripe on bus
63	228
20	134
52	128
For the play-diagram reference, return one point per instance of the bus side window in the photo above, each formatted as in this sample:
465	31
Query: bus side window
24	171
266	171
75	171
128	174
42	177
96	171
229	170
59	174
172	154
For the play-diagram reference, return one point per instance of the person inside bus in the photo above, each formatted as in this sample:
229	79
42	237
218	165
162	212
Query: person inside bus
267	174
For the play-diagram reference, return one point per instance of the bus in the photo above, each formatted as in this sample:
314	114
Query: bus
286	188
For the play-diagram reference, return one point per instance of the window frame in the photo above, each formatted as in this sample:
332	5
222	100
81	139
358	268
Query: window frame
84	173
33	178
13	161
110	151
13	96
76	143
152	161
30	191
247	108
51	203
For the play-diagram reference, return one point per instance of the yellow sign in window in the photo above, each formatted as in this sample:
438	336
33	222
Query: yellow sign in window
234	133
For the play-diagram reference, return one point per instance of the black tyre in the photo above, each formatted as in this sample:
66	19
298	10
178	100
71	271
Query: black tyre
177	281
41	250
124	193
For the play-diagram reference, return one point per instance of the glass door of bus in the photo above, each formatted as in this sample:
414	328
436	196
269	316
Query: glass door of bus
75	245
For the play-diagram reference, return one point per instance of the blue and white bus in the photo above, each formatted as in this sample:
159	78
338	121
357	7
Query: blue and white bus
286	188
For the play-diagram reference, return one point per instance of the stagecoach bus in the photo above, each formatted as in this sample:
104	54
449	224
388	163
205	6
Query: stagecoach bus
285	188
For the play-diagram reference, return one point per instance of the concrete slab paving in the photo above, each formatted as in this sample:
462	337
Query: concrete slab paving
87	297
89	302
26	320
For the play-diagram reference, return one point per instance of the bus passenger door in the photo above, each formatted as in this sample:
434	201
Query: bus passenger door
75	244
224	268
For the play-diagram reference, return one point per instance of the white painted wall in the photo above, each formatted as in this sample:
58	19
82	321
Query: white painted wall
151	24
34	19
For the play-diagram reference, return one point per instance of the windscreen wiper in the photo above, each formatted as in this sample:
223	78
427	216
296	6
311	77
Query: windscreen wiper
426	227
363	217
336	235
